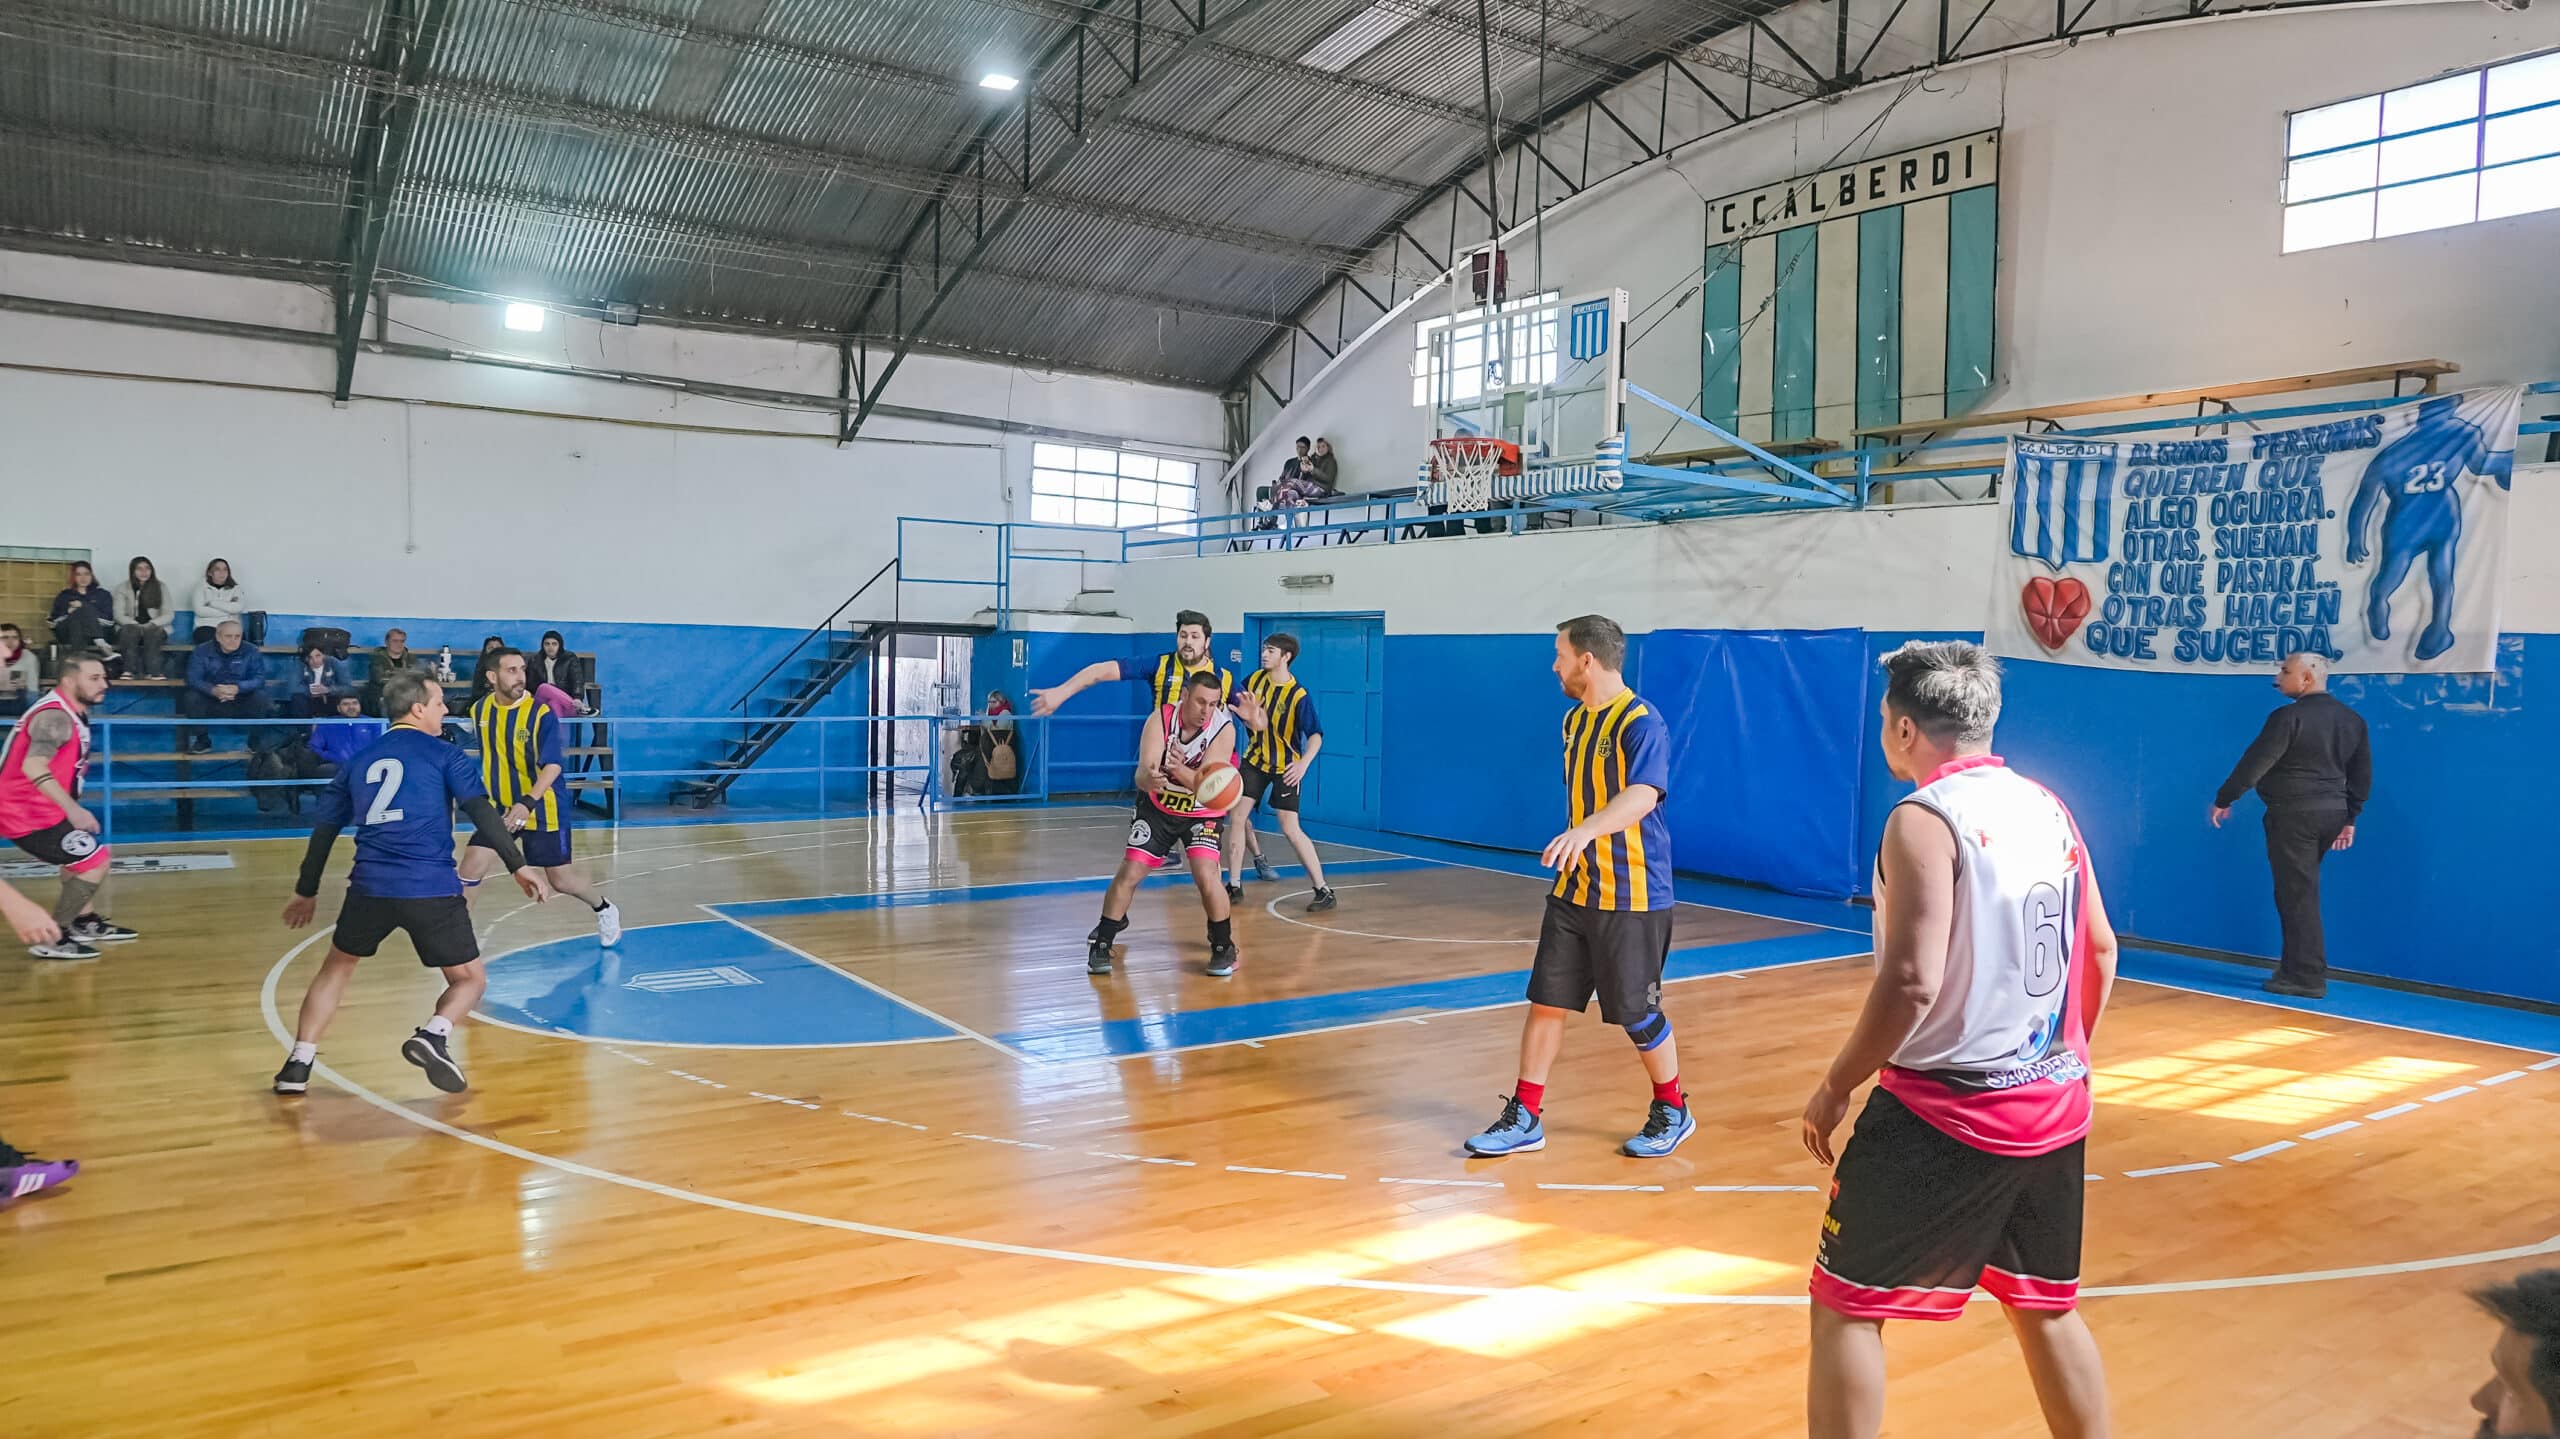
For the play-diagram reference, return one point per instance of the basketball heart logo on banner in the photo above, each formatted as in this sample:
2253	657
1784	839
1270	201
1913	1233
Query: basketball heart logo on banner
2378	541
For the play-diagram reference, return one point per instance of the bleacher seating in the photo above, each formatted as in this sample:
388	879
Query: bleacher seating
154	772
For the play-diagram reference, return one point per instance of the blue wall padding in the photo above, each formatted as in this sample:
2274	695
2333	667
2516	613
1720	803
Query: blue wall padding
1765	727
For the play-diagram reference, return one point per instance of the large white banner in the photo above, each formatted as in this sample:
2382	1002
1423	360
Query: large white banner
2376	540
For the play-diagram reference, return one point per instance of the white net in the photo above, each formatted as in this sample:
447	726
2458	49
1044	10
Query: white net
1467	465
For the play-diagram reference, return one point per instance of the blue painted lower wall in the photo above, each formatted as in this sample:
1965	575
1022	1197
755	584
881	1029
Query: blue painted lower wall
2440	887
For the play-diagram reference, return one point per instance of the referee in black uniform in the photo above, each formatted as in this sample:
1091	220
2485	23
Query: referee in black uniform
2312	766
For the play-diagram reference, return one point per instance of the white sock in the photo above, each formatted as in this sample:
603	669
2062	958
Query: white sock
305	1053
439	1025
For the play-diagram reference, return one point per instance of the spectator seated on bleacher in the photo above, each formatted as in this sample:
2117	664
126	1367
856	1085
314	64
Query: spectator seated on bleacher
556	666
322	678
84	615
142	618
221	598
335	742
20	682
482	668
394	656
1323	470
226	680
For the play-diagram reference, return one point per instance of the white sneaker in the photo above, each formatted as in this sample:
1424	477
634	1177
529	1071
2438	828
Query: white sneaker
609	924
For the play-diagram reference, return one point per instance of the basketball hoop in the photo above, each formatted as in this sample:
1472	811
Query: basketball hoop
1467	465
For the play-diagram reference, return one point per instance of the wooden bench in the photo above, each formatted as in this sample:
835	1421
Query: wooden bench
2426	372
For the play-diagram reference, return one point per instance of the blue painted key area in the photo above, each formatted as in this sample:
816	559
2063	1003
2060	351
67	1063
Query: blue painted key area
750	910
1271	1019
707	983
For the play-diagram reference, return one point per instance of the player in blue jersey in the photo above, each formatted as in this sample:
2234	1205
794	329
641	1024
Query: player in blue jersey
399	795
2416	479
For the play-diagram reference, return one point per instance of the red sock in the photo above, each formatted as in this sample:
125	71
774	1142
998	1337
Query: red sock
1668	1091
1531	1095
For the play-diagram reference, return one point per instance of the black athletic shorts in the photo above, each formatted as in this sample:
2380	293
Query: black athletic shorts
1616	953
1919	1218
543	848
439	927
1155	835
1284	795
73	849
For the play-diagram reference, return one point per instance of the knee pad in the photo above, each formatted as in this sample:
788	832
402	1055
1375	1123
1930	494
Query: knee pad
1650	1031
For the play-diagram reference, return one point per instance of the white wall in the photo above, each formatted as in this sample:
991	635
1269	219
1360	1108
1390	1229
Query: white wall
1916	567
2139	227
435	494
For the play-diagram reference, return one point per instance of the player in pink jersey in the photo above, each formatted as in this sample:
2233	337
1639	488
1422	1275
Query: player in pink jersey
1967	1167
41	813
1179	741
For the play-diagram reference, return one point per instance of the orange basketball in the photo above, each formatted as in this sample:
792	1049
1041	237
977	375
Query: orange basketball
1219	787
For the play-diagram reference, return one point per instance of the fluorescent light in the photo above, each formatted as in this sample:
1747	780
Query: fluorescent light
997	80
524	317
1354	38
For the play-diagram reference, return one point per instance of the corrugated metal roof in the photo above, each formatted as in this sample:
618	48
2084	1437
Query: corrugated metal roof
761	162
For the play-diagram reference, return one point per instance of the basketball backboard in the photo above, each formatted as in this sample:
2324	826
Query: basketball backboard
1542	371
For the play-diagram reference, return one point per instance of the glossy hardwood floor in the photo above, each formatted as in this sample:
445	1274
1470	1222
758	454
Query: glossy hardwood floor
1275	1235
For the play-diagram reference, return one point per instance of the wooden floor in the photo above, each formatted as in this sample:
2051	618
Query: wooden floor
1273	1235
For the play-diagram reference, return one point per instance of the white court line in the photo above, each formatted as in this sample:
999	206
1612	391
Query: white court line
2502	1078
2552	1063
999	1139
897	999
2172	1169
1288	1173
2341	1127
1608	1188
2262	1151
1273	909
2456	1092
883	1119
1443	1183
1317	1280
1763	1188
1142	1158
2394	1112
2300	1013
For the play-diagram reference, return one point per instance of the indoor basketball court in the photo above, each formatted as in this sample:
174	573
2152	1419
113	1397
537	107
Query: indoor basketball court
1279	717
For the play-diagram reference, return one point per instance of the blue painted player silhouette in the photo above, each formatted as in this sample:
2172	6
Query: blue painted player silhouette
2414	479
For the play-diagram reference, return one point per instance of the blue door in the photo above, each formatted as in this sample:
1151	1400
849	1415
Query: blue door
1342	660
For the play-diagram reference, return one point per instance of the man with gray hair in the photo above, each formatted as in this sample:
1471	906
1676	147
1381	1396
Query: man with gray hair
2312	766
1993	960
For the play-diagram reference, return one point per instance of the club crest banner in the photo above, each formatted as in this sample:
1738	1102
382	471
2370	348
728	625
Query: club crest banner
2378	541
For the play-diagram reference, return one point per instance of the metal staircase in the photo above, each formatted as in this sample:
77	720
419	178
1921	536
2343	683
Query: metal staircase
786	693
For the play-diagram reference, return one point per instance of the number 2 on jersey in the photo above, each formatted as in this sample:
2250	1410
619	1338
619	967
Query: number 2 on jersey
385	775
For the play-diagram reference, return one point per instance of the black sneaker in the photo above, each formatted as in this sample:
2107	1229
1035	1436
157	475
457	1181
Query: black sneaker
1263	871
1222	960
1323	901
295	1077
1235	894
64	948
428	1052
2294	990
98	929
1097	956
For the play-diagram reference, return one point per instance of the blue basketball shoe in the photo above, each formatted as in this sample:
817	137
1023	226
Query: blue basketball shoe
1665	1128
1517	1131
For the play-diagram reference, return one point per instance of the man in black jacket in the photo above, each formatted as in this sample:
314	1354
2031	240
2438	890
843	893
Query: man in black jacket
2311	765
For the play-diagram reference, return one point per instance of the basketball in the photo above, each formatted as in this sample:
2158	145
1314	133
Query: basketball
1218	787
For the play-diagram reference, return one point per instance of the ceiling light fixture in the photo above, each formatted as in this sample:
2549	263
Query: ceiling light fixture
997	80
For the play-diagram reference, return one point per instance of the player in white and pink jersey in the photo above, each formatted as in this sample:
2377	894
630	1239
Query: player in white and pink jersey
40	809
1967	1167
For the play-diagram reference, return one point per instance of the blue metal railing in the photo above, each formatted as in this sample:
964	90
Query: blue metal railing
834	748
